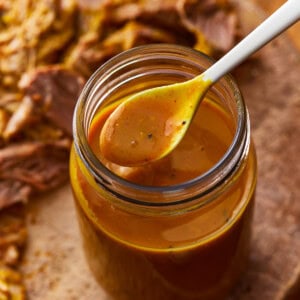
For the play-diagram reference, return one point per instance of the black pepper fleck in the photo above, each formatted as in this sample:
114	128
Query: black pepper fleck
150	135
183	122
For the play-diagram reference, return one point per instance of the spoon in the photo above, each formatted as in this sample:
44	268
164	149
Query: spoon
149	125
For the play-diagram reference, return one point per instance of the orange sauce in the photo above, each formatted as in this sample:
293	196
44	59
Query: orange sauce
196	254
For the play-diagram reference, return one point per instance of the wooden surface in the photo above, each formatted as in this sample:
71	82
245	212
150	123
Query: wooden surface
54	264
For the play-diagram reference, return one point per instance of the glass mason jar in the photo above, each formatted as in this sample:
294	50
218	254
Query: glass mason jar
172	240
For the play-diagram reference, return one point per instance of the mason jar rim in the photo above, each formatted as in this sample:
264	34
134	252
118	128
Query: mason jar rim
101	173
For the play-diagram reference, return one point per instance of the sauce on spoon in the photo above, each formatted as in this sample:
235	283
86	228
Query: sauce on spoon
144	130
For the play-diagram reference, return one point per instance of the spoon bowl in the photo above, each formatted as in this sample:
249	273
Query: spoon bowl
150	124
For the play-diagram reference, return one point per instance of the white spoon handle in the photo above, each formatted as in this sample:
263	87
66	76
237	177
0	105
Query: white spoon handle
281	19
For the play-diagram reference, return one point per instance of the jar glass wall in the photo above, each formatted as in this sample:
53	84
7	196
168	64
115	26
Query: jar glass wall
179	228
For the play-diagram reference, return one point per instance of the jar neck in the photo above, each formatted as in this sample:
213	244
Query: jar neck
124	75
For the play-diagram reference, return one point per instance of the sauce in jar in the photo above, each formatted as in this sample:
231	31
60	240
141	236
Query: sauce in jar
177	228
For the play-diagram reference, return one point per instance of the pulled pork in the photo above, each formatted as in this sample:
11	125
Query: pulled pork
30	167
209	26
52	92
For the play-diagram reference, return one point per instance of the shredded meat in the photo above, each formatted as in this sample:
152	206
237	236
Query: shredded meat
32	32
51	91
46	90
205	19
13	191
31	167
19	119
209	26
89	54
